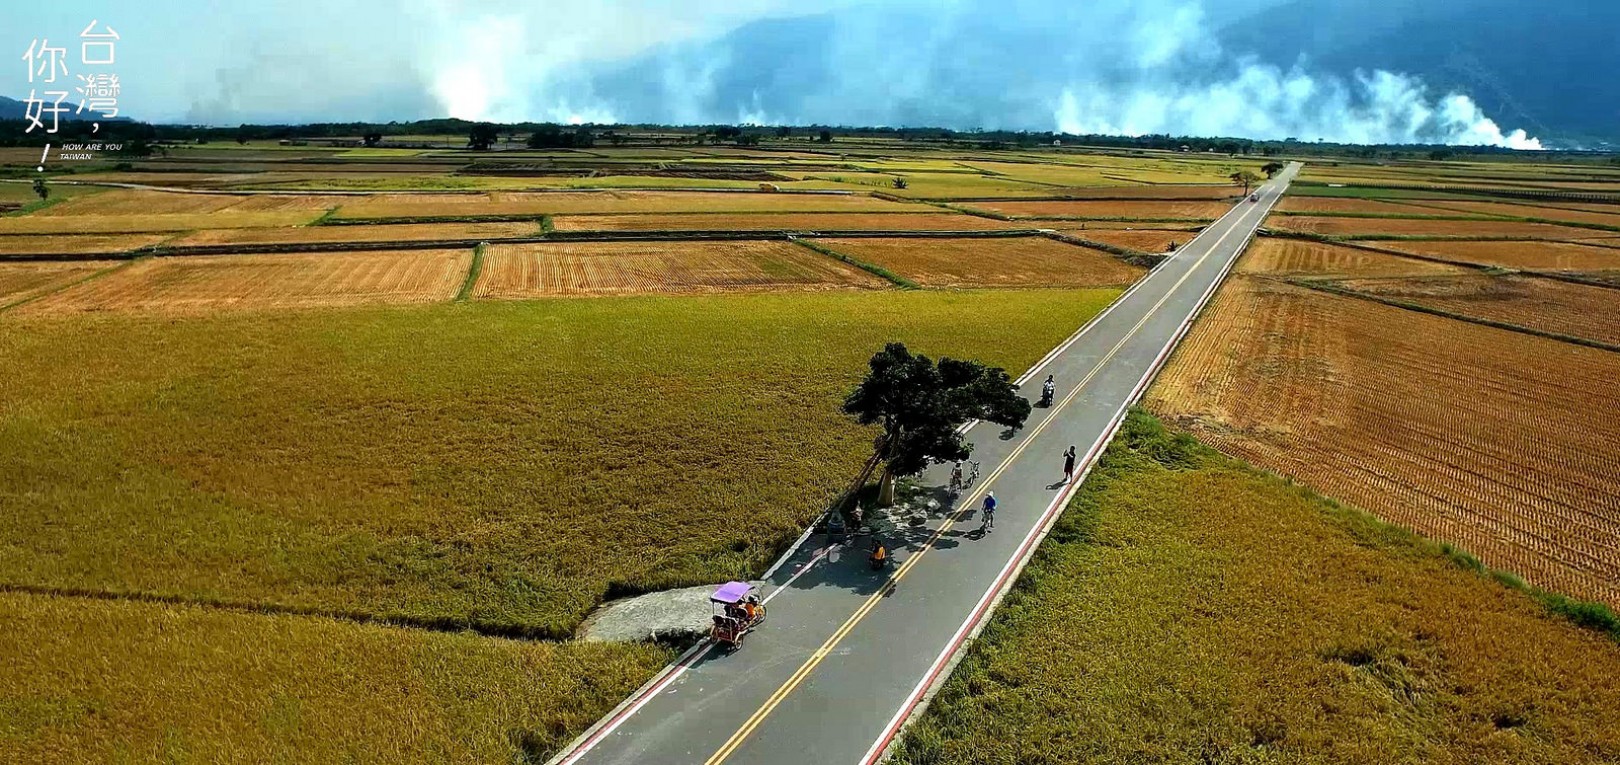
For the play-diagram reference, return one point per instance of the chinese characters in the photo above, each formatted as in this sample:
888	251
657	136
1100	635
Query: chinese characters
97	90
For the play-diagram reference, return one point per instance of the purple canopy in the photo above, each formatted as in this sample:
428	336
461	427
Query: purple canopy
731	592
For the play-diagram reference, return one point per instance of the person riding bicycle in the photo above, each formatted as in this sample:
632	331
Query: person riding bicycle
990	510
956	478
880	554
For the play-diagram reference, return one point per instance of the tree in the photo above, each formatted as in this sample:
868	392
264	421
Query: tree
371	139
1245	178
41	189
899	182
824	136
920	406
784	131
482	136
1271	168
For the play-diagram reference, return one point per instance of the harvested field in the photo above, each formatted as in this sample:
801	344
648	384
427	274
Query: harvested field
1503	443
71	244
131	224
139	202
1107	209
548	203
999	262
91	680
1542	304
1612	218
1298	204
287	203
941	221
1525	256
1160	191
1269	255
1146	240
207	283
1372	227
398	232
1187	609
387	462
616	268
21	281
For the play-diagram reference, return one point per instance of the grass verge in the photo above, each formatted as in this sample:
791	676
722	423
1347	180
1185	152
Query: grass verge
1187	608
473	269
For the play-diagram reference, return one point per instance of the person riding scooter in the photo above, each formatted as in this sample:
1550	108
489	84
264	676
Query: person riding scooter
1048	389
880	554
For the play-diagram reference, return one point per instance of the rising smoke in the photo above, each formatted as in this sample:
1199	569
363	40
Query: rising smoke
1099	66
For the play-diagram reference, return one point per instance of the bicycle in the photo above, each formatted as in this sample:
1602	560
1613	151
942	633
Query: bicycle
956	479
973	473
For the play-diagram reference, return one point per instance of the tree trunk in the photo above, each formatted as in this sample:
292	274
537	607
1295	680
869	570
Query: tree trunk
886	489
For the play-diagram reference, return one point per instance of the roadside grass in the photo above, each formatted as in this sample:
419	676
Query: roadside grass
96	681
1187	608
503	466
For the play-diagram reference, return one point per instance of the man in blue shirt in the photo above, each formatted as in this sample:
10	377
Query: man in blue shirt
989	512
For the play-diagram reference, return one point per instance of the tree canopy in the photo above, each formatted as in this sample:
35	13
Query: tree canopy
482	136
920	405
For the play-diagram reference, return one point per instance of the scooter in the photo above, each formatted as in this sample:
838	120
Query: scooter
1046	396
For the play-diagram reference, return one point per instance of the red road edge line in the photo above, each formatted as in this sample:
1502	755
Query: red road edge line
1049	516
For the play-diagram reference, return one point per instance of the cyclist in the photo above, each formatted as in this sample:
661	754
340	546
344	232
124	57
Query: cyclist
956	478
989	512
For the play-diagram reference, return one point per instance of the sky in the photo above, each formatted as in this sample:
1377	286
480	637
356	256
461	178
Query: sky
1078	66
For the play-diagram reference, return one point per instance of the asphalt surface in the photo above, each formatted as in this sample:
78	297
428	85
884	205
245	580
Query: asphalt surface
847	653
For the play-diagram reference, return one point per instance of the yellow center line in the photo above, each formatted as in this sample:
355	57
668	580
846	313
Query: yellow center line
966	500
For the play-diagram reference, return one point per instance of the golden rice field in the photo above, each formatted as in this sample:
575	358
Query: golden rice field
1177	191
1189	609
457	464
629	268
940	221
1145	210
125	202
23	281
1525	255
1268	255
74	244
1546	305
1146	240
131	223
1503	443
564	203
1609	217
394	232
1331	205
990	262
96	681
1372	227
206	283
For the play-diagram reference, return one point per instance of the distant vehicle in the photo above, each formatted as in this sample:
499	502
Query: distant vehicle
1254	197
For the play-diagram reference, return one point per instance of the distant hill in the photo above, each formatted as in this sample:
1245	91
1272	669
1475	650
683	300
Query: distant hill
13	109
1545	65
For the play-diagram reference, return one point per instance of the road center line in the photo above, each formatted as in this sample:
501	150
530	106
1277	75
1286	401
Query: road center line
966	500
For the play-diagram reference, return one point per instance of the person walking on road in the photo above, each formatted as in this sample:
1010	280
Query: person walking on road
1068	465
989	522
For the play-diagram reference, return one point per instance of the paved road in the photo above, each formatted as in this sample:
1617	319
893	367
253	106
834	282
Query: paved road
847	653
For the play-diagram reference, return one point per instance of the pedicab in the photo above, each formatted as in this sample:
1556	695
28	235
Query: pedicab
737	611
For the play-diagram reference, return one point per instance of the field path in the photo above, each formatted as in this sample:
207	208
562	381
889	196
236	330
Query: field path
848	654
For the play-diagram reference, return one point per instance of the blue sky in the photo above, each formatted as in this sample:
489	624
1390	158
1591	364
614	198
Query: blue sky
1114	66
